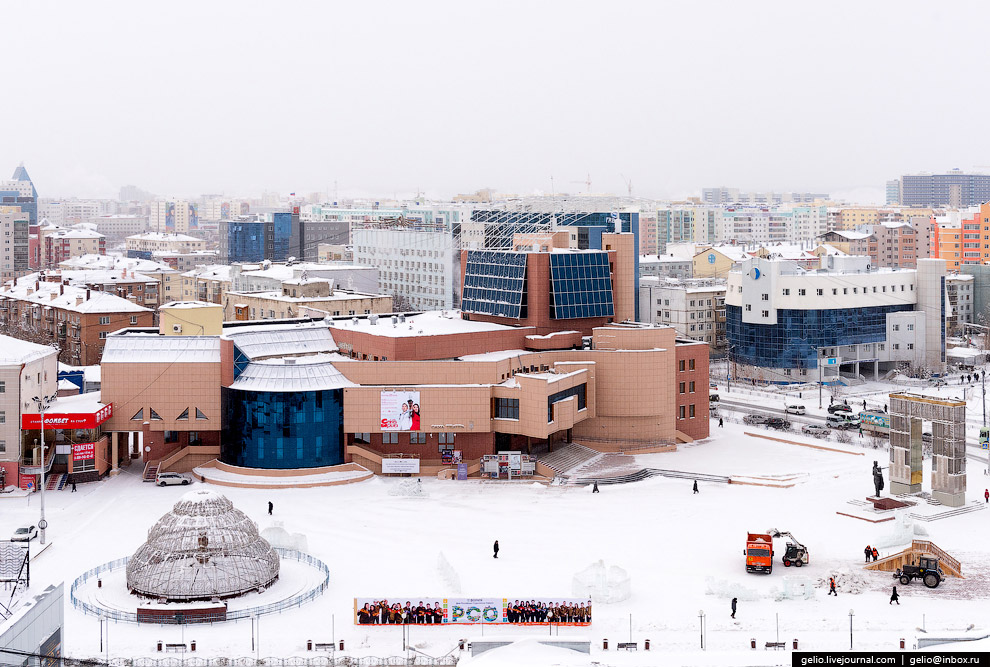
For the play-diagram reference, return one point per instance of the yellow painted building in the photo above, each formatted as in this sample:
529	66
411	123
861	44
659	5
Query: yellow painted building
714	263
190	318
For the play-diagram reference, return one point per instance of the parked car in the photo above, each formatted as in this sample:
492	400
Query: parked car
753	420
712	385
712	397
815	430
778	423
937	382
169	478
840	421
839	407
24	534
927	438
796	409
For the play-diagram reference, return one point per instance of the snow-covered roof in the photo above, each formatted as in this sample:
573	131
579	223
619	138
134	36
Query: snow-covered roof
850	236
162	236
65	385
48	294
188	305
284	272
17	351
663	259
115	262
338	295
284	339
92	373
212	272
313	373
63	233
431	323
89	402
155	349
102	276
499	355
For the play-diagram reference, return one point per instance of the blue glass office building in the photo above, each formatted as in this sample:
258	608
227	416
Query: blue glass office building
255	240
794	341
27	203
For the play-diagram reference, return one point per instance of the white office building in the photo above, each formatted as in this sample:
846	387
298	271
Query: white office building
419	268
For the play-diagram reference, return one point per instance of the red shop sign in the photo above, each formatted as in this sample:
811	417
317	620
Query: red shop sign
68	420
83	451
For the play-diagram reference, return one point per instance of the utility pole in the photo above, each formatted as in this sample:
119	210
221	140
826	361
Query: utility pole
43	403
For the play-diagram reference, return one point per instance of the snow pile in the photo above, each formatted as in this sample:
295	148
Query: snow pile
448	574
409	488
847	580
278	536
601	585
723	588
902	531
529	653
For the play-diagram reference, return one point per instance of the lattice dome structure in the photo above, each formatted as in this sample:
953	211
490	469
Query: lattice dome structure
203	549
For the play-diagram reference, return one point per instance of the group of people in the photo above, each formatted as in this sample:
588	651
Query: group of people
381	613
870	552
533	611
970	379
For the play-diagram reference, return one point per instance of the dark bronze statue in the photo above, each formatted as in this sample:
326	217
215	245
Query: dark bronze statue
877	478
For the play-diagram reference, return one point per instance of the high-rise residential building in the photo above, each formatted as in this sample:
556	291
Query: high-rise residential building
147	244
723	196
417	267
174	216
953	188
15	228
683	224
60	244
899	245
784	322
118	227
964	237
20	191
894	192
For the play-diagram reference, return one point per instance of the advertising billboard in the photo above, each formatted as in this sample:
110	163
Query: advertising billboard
400	411
83	451
68	420
471	611
400	466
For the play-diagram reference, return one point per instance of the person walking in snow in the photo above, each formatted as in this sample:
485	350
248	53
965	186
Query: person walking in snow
894	597
73	486
734	600
720	422
831	587
864	403
875	554
271	507
861	431
496	549
594	489
869	552
696	486
986	493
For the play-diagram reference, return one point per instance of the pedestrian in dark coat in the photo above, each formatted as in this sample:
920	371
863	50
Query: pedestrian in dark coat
831	587
271	508
734	607
864	403
894	597
696	486
869	552
986	492
875	554
594	489
496	549
73	486
720	422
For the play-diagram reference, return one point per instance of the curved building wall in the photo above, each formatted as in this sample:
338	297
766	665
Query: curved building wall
270	429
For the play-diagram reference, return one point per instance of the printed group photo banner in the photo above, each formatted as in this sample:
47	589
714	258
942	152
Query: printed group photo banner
470	611
400	411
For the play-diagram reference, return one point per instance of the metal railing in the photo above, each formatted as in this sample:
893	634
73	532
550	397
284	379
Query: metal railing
179	619
293	661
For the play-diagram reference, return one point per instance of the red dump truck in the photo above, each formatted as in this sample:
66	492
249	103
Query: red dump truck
759	553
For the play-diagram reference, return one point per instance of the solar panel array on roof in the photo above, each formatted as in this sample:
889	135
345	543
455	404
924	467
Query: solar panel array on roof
580	286
495	284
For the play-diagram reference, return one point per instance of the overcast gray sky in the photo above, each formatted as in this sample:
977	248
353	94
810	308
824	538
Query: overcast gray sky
183	98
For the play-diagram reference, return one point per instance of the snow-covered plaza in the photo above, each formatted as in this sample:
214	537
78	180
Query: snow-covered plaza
682	551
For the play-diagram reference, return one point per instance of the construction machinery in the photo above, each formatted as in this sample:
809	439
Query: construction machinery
927	570
759	553
795	553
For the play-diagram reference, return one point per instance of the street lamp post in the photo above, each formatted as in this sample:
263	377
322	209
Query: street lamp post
851	629
43	402
701	627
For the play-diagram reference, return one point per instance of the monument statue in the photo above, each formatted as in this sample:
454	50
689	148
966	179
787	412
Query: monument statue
877	478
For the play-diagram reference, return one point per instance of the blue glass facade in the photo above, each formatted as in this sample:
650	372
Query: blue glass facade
794	341
495	283
271	429
281	231
139	254
245	241
580	286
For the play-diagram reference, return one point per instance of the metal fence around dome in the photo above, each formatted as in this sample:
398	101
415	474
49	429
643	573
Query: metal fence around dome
179	619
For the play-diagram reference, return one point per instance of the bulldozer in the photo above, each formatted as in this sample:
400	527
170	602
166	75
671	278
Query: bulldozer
795	553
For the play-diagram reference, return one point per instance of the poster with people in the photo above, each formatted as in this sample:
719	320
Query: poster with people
397	611
400	411
472	611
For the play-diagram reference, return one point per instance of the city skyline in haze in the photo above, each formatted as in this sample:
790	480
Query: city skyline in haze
445	98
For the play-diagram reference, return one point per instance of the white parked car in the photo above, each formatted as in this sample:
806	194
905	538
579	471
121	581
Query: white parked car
815	430
24	534
795	409
167	478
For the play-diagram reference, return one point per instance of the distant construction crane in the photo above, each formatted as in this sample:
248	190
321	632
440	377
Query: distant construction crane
587	183
628	182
